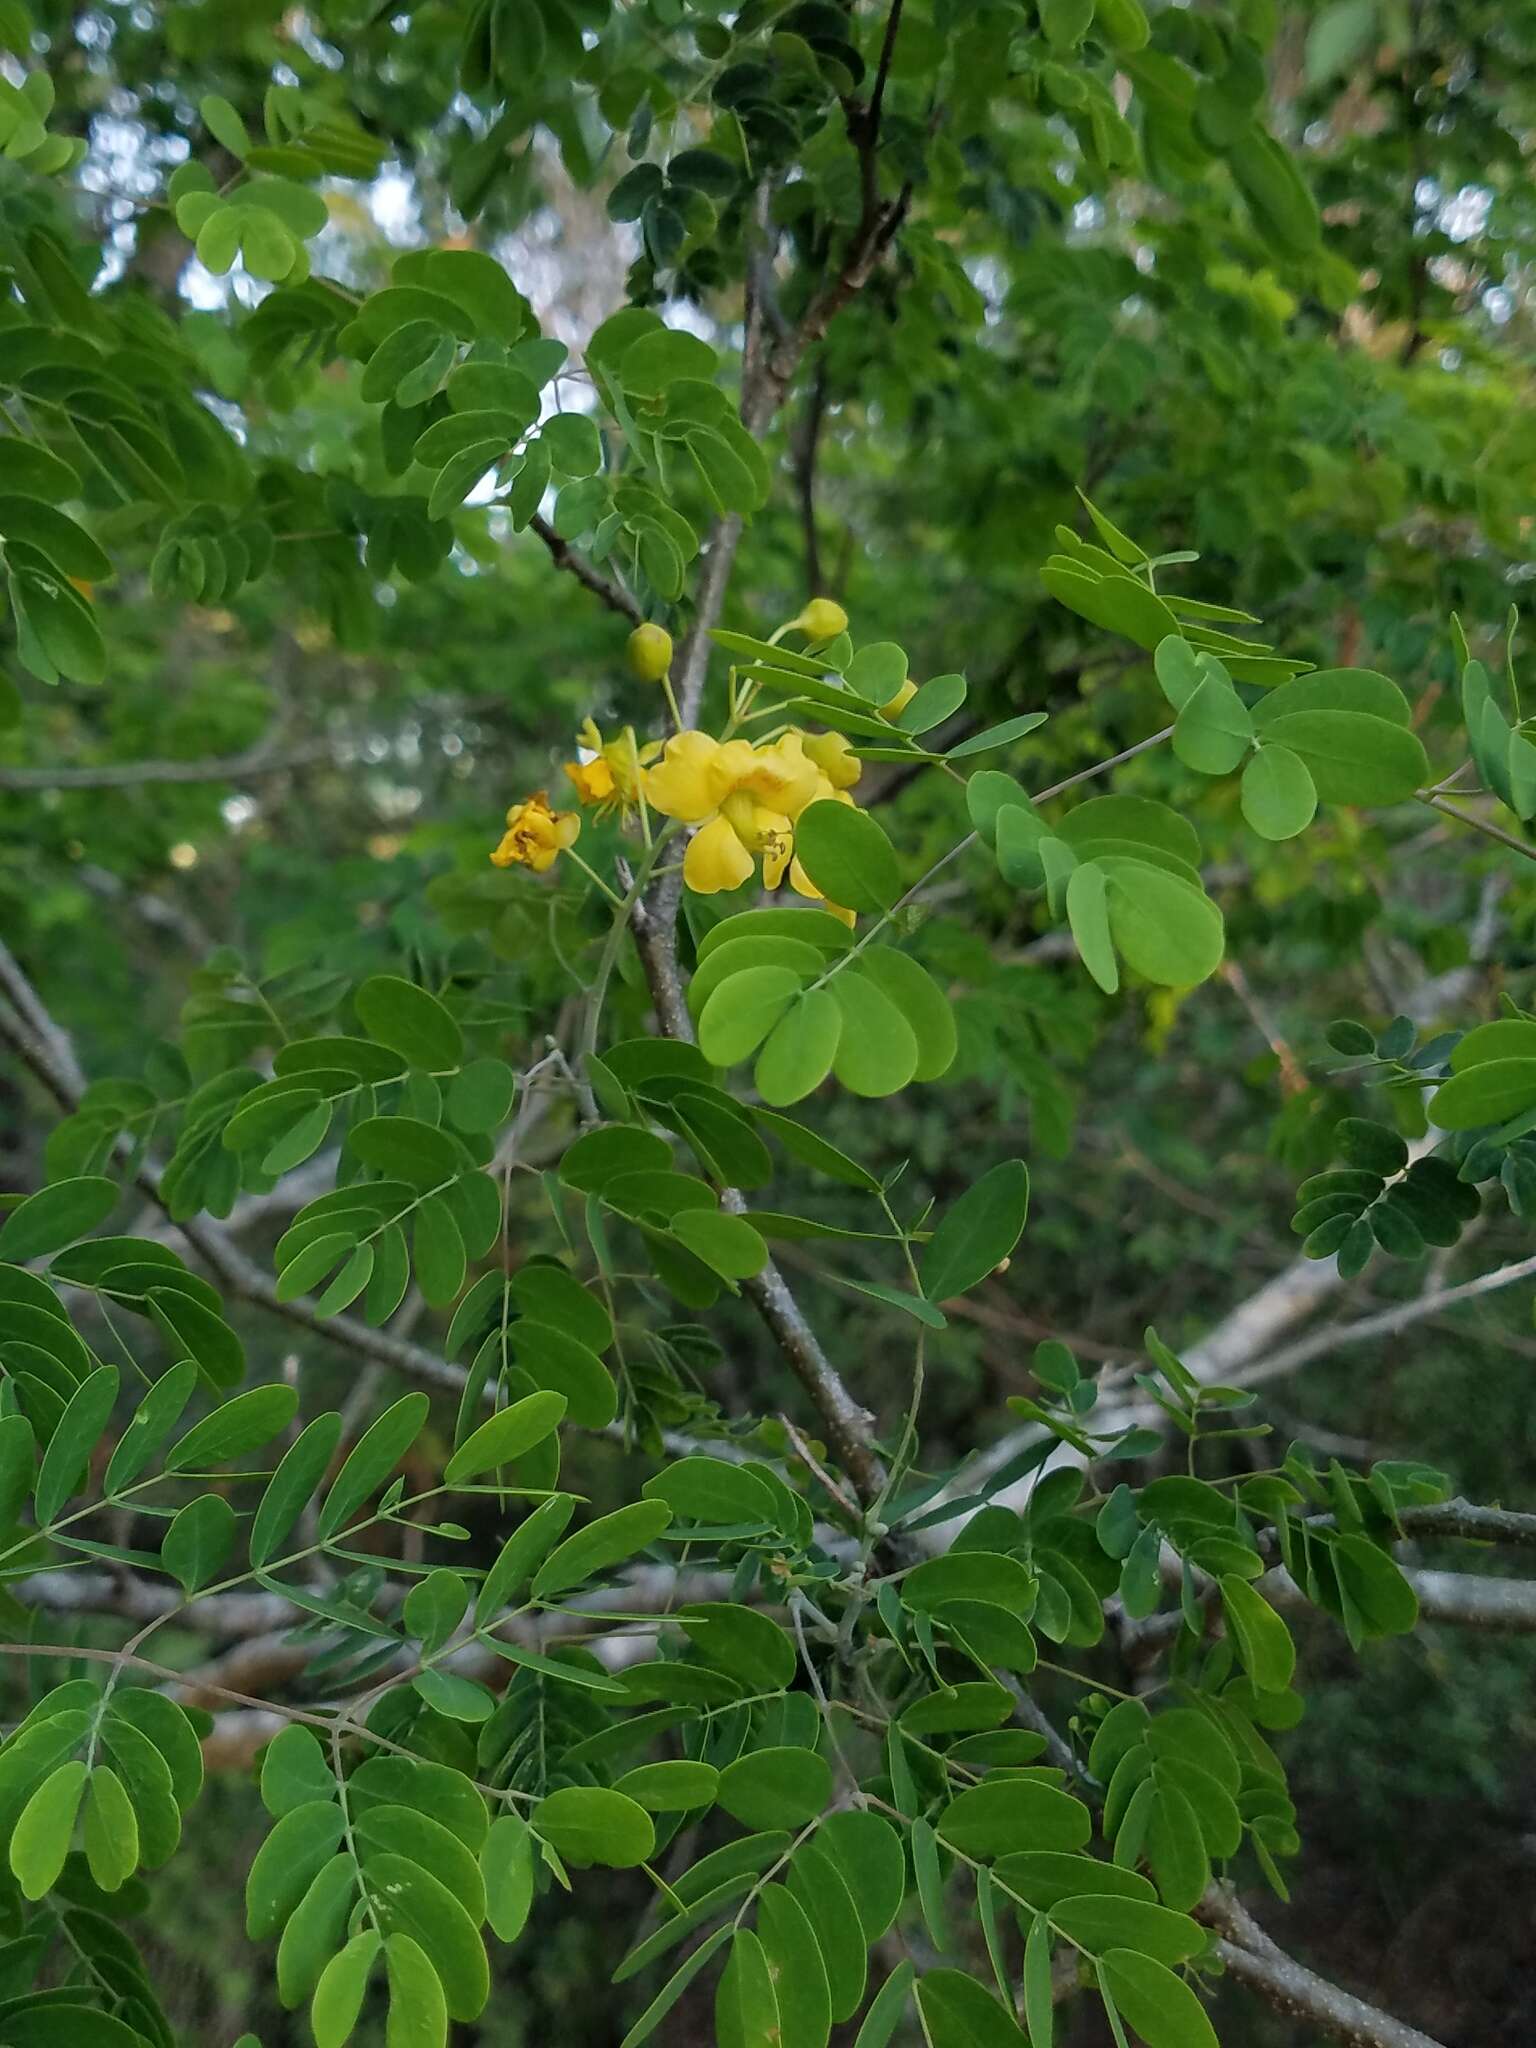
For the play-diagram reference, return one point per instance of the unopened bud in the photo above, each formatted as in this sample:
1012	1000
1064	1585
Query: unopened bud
900	701
650	653
822	619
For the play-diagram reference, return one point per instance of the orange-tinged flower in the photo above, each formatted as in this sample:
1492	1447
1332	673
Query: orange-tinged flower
592	780
612	771
536	836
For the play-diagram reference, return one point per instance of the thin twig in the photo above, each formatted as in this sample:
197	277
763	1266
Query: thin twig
606	589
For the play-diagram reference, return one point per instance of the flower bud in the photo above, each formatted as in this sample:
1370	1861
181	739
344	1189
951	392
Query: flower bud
822	619
650	653
834	757
897	704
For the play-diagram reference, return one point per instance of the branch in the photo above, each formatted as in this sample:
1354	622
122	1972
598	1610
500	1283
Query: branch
604	588
264	759
1488	830
1386	1323
1255	1960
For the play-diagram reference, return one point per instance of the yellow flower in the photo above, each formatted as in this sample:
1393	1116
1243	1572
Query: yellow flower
593	780
695	775
536	836
612	773
650	652
822	619
897	704
783	776
745	800
834	756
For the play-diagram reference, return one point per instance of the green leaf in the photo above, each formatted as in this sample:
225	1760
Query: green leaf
847	856
111	1832
199	1539
798	1052
293	1485
224	124
56	1216
63	541
507	1870
742	1011
922	1003
887	2007
374	1456
1039	2000
523	1550
410	1021
607	1541
746	2005
1213	730
976	1233
1097	1922
294	1771
994	1818
1088	915
728	1245
1158	2004
41	1838
796	1970
418	2009
704	1489
676	1985
997	735
343	1985
1353	757
776	1788
592	1824
408	1899
671	1787
1489	1093
960	2013
1263	1641
877	1049
818	1885
748	1644
867	1853
74	1438
1164	927
507	1435
243	1424
1279	797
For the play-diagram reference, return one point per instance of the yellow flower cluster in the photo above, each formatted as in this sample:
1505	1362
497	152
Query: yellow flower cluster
745	798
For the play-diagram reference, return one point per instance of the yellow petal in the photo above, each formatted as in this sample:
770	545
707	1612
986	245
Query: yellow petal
715	860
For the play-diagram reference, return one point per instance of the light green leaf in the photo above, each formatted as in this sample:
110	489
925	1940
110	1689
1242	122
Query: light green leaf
593	1824
847	856
798	1052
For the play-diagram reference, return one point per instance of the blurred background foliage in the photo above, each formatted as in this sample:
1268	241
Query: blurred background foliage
1350	444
